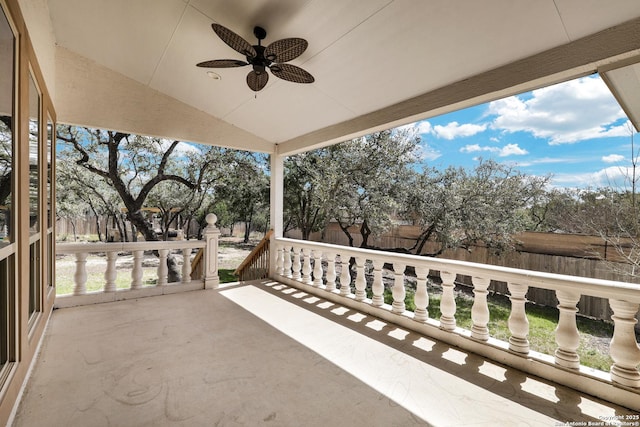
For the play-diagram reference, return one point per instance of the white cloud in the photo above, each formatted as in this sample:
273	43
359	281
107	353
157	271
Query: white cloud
512	150
427	153
424	127
564	113
474	148
507	150
182	149
548	160
612	158
612	176
454	130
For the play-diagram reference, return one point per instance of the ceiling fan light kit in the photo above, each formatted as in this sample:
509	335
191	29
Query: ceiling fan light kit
261	58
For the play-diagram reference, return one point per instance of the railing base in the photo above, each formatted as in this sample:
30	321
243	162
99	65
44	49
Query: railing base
584	379
66	301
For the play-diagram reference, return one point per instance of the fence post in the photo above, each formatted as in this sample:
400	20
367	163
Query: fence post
211	235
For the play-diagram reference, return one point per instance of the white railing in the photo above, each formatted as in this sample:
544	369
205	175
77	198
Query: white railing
109	292
300	264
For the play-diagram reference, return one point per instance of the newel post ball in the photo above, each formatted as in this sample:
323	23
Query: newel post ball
211	219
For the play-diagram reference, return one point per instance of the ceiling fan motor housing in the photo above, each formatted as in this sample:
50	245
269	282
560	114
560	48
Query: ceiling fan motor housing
259	62
259	32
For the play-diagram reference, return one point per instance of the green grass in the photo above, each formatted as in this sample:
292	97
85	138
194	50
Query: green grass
542	324
226	275
95	281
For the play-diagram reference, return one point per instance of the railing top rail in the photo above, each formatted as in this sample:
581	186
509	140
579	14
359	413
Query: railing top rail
583	285
71	248
249	259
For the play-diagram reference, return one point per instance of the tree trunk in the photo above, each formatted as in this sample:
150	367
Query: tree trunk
116	222
345	230
145	228
247	231
247	227
75	235
97	222
423	239
365	231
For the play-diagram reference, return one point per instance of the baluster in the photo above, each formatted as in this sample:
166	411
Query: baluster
110	273
296	264
306	267
136	271
331	271
80	276
345	276
448	302
186	266
398	291
280	261
480	309
163	270
286	253
421	298
361	281
567	336
378	287
518	322
317	268
624	349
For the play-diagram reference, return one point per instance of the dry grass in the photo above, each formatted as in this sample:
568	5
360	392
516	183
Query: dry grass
231	253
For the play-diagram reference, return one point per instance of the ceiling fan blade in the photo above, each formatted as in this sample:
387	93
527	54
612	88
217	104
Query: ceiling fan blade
222	63
285	50
257	81
291	73
233	40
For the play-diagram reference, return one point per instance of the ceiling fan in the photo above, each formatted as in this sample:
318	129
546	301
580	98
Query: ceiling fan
261	57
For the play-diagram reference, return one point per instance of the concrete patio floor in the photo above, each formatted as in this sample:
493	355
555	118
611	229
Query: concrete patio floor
267	354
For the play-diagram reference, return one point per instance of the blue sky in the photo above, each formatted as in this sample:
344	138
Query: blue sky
575	131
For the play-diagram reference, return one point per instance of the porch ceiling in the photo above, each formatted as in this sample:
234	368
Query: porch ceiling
377	63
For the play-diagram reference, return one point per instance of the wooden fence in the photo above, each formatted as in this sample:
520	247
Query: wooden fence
575	255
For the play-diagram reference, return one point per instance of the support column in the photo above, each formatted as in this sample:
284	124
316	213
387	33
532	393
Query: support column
276	209
277	194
